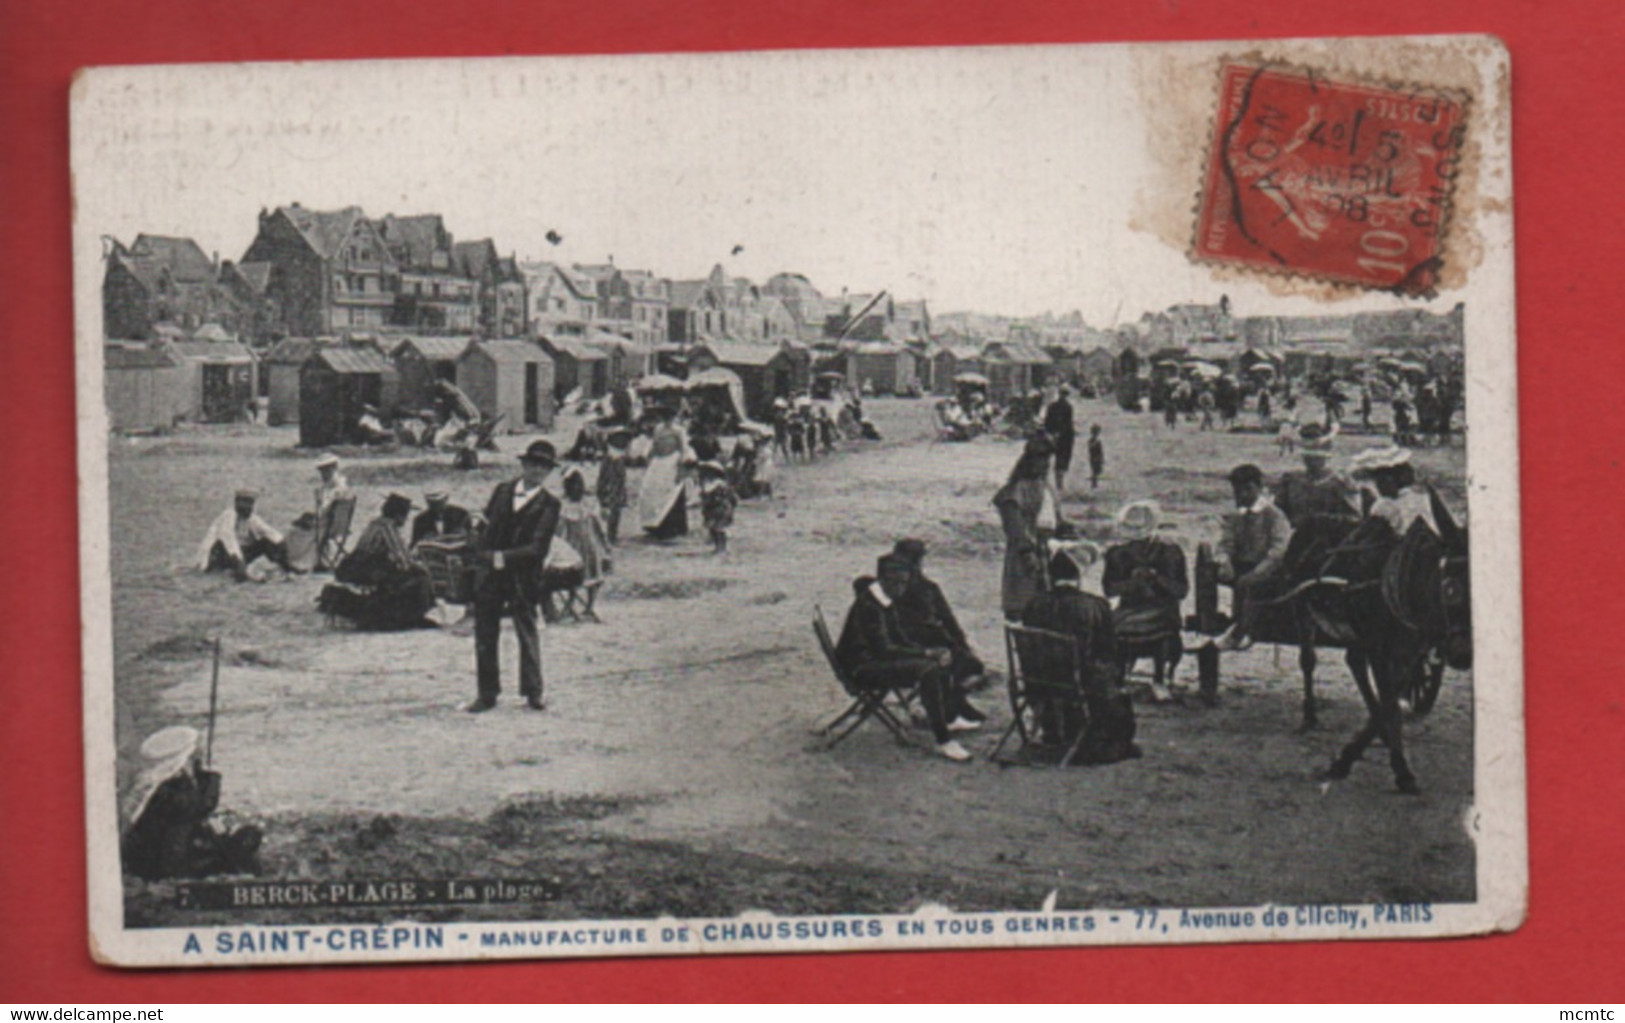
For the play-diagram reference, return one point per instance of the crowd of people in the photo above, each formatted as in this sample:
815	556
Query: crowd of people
1421	402
543	539
806	428
1132	609
545	532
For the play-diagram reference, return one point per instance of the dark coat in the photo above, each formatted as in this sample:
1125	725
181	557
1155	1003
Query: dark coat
872	631
1072	612
1110	728
1149	606
924	614
1058	420
172	831
450	519
522	537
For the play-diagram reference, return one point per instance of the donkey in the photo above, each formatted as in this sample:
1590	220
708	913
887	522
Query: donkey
1399	602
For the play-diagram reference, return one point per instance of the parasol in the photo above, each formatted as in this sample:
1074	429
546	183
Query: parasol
660	382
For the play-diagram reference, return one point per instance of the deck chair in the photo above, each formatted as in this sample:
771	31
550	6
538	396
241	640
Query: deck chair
566	593
485	430
450	567
1046	692
866	703
567	598
333	532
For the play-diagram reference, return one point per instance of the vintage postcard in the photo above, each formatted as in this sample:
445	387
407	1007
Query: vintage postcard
803	501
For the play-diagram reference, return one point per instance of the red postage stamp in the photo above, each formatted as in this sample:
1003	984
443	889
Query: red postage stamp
1334	180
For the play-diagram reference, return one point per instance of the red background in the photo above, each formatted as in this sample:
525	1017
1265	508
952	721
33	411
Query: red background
1567	115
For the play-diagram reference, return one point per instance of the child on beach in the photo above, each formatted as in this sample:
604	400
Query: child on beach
717	503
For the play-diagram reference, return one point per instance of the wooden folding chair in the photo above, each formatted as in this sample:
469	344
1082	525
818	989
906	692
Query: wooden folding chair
451	568
1046	692
333	532
866	703
567	597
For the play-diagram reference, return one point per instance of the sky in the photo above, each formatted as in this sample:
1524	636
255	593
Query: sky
1000	180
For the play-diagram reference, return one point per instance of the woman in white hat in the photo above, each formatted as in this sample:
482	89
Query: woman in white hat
1317	491
166	829
332	488
1147	576
332	485
1400	500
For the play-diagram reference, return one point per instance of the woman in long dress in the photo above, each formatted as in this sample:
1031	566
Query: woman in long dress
1030	513
662	496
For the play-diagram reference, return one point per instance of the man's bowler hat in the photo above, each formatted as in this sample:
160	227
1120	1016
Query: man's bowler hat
541	452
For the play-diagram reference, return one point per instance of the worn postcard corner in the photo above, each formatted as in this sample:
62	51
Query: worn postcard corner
782	502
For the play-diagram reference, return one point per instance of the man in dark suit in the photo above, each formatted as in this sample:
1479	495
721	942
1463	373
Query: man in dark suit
1059	425
520	521
440	519
927	620
874	650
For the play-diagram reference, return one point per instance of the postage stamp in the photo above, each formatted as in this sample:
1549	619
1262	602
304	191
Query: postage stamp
767	502
1336	180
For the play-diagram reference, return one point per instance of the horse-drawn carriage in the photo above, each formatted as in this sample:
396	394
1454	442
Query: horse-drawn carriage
1399	607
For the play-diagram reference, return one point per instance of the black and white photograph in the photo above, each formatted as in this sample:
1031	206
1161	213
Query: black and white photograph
799	501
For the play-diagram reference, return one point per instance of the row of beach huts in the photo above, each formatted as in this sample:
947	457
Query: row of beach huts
323	385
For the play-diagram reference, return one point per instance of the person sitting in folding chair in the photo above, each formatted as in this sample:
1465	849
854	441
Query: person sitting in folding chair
927	620
1147	576
873	649
1066	608
329	523
441	520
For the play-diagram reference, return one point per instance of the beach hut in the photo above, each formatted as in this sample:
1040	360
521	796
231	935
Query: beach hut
1067	362
1013	369
765	372
1041	369
1096	365
628	359
423	361
335	385
219	379
1312	357
281	367
948	361
577	364
513	379
143	388
879	367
